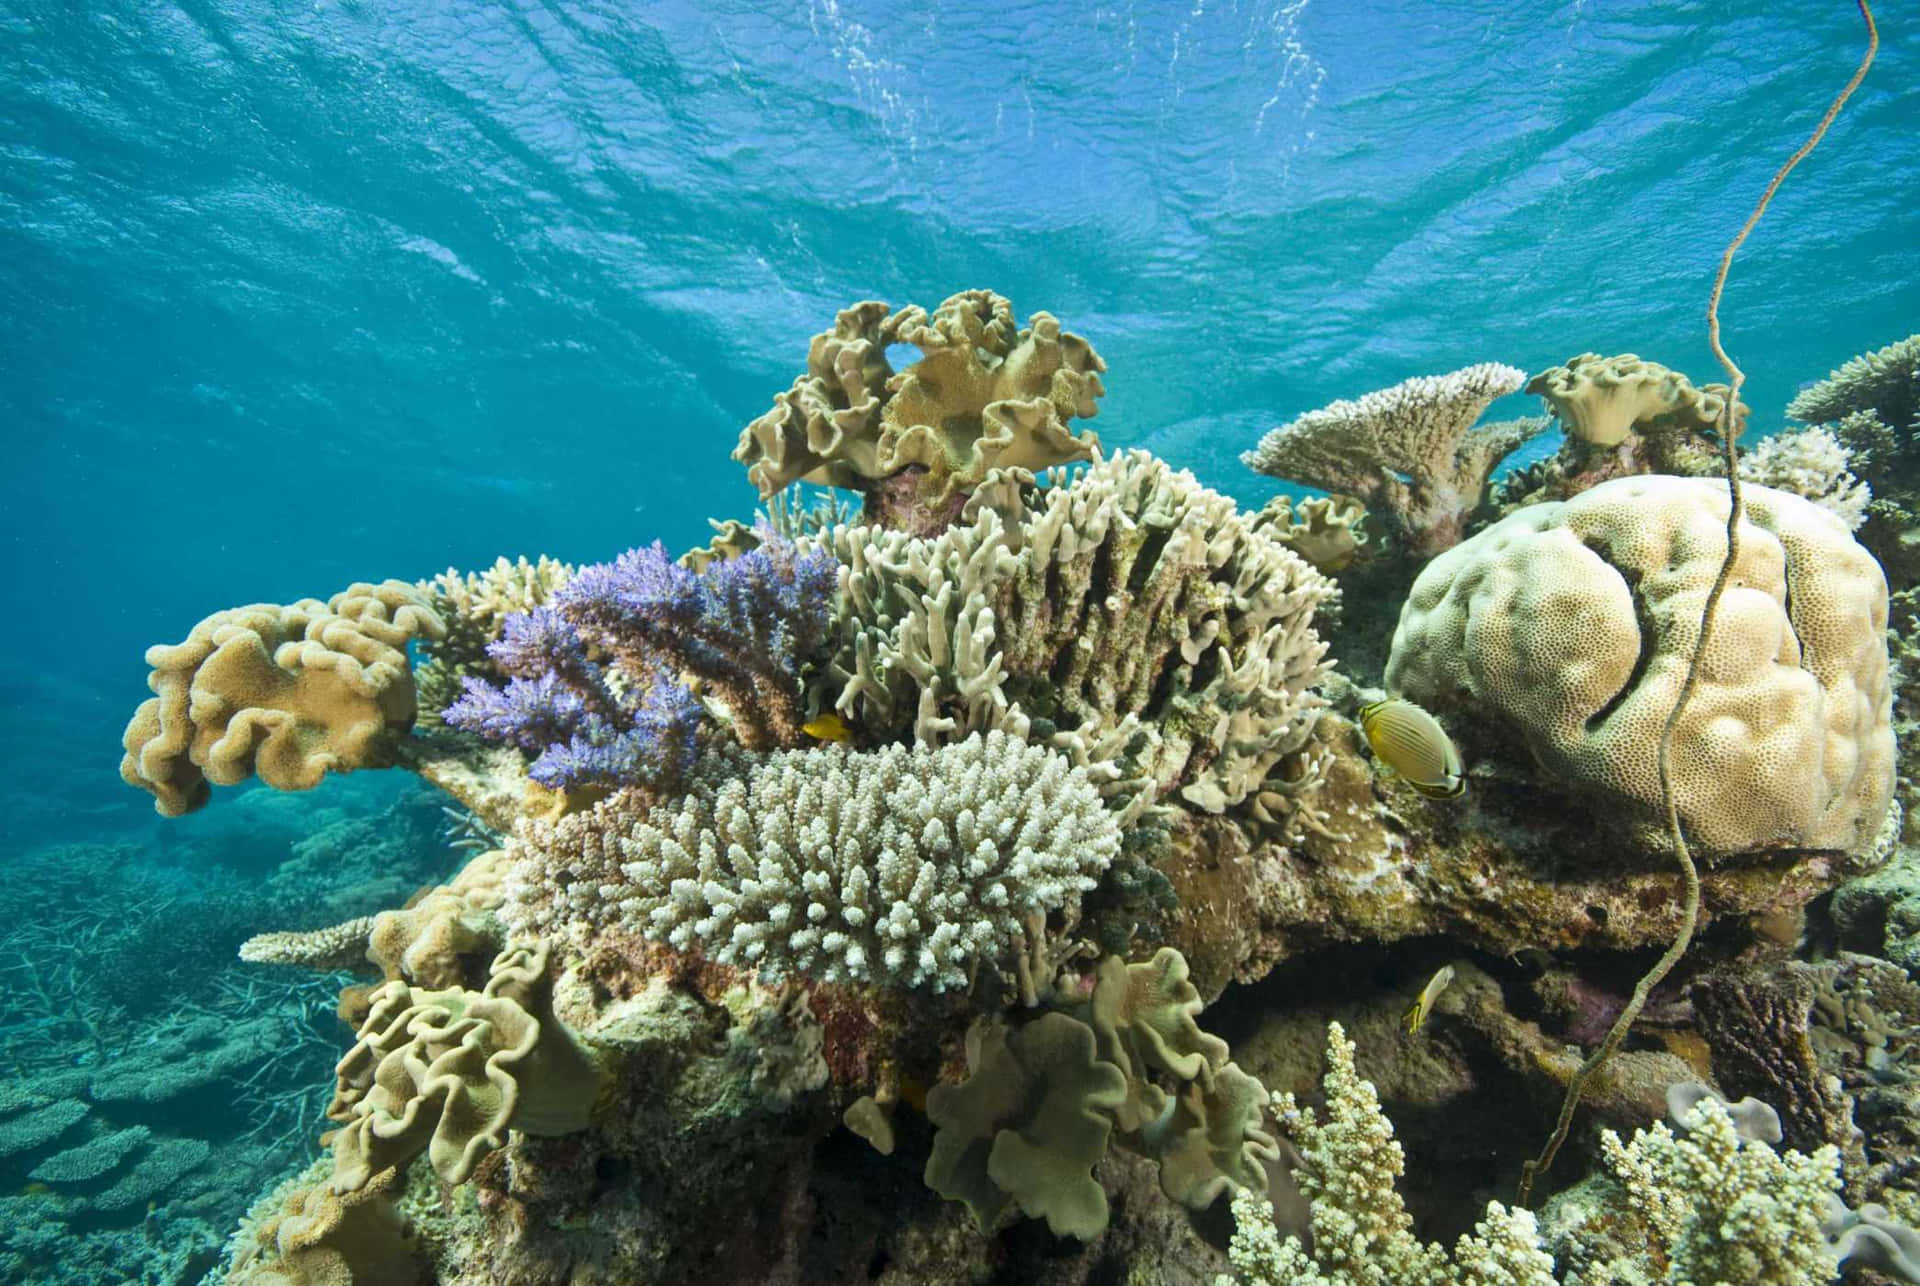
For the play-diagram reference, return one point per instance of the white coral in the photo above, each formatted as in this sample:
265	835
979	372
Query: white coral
1362	1233
1726	1209
1811	463
911	866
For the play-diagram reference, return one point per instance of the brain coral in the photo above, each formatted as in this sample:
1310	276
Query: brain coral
291	693
1572	623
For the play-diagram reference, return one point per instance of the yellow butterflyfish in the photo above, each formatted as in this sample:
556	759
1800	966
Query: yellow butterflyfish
1412	743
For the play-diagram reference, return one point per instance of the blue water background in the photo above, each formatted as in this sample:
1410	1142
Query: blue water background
294	294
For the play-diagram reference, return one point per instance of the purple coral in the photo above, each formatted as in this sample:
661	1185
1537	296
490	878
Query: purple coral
744	626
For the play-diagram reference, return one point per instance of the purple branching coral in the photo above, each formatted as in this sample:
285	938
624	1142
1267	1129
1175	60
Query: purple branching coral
744	626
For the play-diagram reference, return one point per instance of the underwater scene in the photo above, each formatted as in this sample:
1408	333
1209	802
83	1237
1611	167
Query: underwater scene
1233	642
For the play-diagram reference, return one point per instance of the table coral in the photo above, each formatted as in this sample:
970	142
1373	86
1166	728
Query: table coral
1411	452
292	693
1569	625
985	394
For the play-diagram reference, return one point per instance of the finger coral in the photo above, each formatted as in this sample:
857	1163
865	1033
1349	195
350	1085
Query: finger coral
291	693
910	866
450	1072
1411	453
1134	619
985	394
1570	626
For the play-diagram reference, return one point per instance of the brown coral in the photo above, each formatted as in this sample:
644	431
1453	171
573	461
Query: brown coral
291	693
984	395
449	1072
1603	400
319	1237
432	941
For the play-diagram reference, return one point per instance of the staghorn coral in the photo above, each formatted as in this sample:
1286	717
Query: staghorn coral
743	627
1570	626
475	607
449	1072
338	946
984	395
1131	618
913	866
1409	452
291	693
1362	1234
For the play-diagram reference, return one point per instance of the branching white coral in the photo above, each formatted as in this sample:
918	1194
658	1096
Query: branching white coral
912	866
1362	1233
1726	1209
1814	464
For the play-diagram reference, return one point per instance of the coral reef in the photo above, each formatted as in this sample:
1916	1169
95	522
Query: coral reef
880	883
292	693
1410	453
915	443
1569	626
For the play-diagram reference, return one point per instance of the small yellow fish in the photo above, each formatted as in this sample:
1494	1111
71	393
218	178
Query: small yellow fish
827	727
1412	743
1423	1003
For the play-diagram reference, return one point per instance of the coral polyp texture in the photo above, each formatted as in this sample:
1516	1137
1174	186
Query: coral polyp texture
985	394
912	866
1411	453
1569	626
291	693
1130	617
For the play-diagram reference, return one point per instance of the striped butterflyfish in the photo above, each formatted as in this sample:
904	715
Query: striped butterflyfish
1412	743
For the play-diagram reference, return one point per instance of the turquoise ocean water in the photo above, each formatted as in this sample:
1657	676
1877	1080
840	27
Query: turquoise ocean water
295	294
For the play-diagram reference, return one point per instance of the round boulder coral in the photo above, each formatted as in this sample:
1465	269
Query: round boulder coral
1571	624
